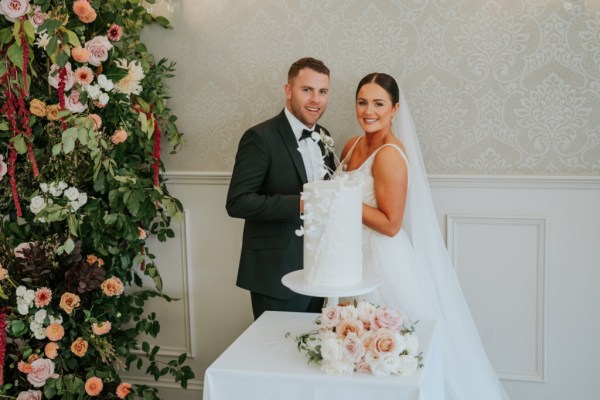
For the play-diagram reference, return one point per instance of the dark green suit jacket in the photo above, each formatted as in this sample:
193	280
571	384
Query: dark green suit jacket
265	191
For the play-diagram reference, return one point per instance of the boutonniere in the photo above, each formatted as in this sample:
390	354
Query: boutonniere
327	141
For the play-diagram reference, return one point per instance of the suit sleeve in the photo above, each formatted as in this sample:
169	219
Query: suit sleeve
245	198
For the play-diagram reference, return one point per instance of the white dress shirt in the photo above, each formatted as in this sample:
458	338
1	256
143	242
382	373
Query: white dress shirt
308	148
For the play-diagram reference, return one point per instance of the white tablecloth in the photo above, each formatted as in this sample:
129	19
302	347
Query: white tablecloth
262	364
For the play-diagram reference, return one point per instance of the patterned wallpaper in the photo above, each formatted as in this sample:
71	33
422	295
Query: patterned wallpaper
499	87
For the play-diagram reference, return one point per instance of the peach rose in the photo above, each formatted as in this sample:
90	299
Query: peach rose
79	347
123	390
84	11
55	332
51	350
112	286
97	120
52	112
102	328
93	386
348	326
384	341
80	54
37	108
119	136
353	349
42	370
391	319
24	367
69	302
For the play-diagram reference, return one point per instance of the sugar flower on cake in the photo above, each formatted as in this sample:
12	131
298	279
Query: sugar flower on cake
362	338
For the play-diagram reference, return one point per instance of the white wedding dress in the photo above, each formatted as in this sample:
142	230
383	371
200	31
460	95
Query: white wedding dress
412	288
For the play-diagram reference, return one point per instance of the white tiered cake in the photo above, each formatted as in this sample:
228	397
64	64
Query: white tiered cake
332	233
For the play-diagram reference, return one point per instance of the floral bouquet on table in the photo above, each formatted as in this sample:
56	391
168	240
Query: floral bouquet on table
82	114
362	338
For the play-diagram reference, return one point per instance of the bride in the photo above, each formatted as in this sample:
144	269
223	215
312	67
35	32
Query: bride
401	238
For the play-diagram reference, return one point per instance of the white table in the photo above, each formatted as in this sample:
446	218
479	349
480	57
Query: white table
262	364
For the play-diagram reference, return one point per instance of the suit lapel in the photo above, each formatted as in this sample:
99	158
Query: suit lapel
287	135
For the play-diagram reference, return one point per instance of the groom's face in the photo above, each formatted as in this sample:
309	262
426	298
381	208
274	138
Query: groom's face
307	95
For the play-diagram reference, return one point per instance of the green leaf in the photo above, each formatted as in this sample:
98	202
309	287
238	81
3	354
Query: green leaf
17	328
52	46
20	144
72	38
6	35
62	58
162	21
69	245
15	55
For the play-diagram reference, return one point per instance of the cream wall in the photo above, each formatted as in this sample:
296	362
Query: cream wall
505	95
496	87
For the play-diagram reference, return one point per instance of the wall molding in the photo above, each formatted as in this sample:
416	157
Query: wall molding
540	224
453	181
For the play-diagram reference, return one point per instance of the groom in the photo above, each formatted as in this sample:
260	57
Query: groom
273	161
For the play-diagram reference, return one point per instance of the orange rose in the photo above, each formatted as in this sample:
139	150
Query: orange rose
79	347
37	108
123	390
93	386
119	136
80	54
52	112
69	302
91	259
112	286
51	350
55	332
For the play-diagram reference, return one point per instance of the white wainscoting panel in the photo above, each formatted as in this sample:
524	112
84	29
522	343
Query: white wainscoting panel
527	253
500	263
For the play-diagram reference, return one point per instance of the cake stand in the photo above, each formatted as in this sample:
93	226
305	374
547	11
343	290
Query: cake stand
295	281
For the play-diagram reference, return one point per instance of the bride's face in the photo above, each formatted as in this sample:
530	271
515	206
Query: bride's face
374	108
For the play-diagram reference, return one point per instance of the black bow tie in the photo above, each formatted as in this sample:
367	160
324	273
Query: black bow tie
306	134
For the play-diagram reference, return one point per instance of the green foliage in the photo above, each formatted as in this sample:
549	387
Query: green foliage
78	199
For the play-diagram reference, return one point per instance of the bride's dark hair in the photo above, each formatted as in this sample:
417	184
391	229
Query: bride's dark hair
385	81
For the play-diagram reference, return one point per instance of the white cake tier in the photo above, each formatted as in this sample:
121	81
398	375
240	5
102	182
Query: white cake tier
332	233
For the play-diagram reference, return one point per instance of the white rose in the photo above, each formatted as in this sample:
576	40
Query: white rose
13	9
40	316
385	364
103	98
21	289
44	187
98	48
331	348
349	312
30	395
37	204
23	309
337	368
93	91
3	167
353	349
412	344
407	365
62	185
39	333
54	190
55	320
105	83
29	296
365	310
72	193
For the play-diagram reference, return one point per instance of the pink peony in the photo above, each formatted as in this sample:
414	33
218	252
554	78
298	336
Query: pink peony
42	369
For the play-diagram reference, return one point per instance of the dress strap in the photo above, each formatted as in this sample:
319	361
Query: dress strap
351	150
394	146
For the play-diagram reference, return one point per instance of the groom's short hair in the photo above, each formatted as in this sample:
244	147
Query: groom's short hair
307	62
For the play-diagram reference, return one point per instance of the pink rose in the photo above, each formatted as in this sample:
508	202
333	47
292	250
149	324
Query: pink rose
98	48
13	9
53	76
72	102
330	317
42	370
352	349
391	319
38	17
30	395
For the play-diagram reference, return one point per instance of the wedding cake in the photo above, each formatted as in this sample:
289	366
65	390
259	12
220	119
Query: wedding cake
332	233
